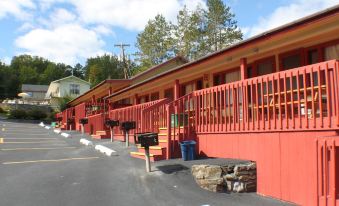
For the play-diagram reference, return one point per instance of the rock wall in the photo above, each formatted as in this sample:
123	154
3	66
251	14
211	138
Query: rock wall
226	178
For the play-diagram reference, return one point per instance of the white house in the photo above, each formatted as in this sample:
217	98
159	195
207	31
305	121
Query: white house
71	85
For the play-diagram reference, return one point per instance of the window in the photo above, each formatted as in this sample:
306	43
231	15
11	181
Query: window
312	56
143	99
74	89
191	86
169	94
229	76
291	61
261	67
332	52
154	96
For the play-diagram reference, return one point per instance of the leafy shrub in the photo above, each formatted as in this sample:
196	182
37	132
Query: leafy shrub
2	110
36	114
17	114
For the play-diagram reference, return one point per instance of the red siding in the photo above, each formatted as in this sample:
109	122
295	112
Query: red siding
286	161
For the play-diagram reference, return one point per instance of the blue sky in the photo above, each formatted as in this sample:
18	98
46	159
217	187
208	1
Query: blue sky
69	31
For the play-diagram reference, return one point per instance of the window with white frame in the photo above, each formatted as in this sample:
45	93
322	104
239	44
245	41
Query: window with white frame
74	89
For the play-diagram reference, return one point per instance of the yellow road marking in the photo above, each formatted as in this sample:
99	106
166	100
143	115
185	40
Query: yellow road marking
1	140
33	142
57	160
3	129
37	148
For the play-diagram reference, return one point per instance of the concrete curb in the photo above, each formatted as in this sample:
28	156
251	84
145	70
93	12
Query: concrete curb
47	127
86	142
65	135
41	124
107	151
57	131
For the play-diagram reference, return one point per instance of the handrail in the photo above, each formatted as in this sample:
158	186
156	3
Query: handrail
303	98
154	116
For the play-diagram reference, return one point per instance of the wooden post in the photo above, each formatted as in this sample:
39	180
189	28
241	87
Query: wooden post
243	68
176	89
112	138
136	99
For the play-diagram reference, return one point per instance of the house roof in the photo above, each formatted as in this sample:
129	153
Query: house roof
102	86
34	88
286	27
69	77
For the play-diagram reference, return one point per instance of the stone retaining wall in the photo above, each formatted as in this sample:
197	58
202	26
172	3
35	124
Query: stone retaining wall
226	178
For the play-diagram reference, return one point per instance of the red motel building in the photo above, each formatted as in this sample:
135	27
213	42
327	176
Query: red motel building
272	99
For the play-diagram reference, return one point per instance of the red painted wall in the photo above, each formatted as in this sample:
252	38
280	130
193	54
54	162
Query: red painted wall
95	123
286	161
80	112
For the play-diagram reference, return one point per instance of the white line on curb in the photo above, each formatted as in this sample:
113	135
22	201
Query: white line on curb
105	150
86	142
65	135
47	127
57	131
41	124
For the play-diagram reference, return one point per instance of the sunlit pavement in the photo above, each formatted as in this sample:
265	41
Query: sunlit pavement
39	167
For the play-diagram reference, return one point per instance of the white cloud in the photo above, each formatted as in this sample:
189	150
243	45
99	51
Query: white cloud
104	30
67	43
17	8
131	14
289	13
7	60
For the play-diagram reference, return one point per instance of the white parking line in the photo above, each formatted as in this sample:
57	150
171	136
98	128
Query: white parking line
56	160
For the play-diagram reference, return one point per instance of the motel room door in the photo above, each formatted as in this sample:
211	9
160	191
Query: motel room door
328	169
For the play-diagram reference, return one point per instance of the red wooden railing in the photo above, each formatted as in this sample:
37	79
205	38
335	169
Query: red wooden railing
155	116
131	113
95	108
304	98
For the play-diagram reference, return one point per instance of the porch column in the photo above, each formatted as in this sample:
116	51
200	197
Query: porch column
176	89
110	91
243	68
136	99
93	99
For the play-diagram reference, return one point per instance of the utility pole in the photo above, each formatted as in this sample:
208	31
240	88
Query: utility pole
122	48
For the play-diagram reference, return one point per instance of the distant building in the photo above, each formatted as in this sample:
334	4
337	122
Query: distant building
71	85
35	93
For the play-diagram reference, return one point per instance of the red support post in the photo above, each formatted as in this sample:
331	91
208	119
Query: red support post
243	70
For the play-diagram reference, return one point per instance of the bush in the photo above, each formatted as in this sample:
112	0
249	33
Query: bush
2	111
36	114
17	114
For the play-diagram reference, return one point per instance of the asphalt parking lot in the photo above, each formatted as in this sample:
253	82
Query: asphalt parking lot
39	167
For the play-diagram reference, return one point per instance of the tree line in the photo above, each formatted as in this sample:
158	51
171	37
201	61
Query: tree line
196	33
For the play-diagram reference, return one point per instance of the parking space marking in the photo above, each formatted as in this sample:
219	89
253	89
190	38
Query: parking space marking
30	138
36	148
44	161
33	142
8	133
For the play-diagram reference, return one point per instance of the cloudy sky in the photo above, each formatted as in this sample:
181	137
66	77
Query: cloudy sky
70	31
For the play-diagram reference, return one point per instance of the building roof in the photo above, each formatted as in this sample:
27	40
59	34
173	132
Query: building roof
102	86
260	37
176	58
34	88
69	77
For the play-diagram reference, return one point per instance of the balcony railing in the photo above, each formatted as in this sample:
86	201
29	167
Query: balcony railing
130	113
304	98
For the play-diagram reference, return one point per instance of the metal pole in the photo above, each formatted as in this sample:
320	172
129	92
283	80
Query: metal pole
147	158
82	129
127	138
111	134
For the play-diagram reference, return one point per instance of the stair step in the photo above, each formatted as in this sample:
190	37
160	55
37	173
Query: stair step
141	155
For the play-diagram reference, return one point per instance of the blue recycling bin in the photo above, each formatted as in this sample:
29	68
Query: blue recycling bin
188	150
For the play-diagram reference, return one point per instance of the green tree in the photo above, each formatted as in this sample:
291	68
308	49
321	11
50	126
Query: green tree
155	42
189	33
221	28
103	67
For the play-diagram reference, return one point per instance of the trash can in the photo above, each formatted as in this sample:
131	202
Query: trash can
188	150
53	124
